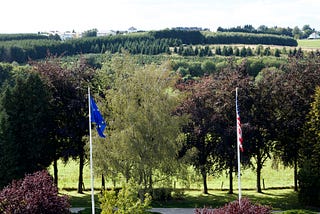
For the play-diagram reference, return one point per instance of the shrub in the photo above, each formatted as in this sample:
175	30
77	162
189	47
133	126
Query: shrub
35	194
161	194
233	208
126	201
309	184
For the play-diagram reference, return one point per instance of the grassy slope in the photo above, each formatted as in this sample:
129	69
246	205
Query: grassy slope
311	44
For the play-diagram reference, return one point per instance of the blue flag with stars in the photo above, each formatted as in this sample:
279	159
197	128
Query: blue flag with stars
97	118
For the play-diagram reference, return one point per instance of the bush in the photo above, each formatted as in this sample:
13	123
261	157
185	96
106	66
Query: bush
126	201
35	194
309	184
161	194
233	208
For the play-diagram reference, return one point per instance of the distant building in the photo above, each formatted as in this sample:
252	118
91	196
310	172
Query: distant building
132	30
106	33
190	28
314	35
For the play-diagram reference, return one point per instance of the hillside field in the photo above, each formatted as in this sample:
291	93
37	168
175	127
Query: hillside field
311	44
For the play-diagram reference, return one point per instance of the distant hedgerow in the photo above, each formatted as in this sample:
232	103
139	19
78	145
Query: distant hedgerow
233	208
34	194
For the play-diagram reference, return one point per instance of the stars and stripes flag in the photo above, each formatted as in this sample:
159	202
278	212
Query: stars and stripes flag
239	130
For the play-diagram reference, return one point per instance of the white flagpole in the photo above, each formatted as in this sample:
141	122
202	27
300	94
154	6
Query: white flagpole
91	164
238	148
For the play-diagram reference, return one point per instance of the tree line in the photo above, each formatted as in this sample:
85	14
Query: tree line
158	122
25	48
295	32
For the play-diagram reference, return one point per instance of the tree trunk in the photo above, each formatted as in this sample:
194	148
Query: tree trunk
103	184
204	178
259	168
295	176
55	172
80	181
150	180
230	177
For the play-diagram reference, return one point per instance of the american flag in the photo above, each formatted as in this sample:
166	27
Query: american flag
239	131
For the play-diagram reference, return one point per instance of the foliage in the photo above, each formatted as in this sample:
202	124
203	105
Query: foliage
295	89
126	201
35	194
245	207
248	38
262	29
186	37
161	194
309	176
5	72
143	130
26	126
210	105
21	36
68	87
25	48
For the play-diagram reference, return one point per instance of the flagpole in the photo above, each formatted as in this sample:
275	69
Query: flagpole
238	148
91	163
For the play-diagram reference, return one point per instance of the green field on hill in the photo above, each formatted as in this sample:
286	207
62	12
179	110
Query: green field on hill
309	43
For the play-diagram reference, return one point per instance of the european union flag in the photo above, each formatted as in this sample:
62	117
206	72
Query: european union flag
97	118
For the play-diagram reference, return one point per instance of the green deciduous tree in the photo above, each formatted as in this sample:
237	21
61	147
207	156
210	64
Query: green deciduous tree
143	131
310	156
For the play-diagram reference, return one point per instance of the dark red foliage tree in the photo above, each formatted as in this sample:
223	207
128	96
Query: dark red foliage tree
68	85
35	194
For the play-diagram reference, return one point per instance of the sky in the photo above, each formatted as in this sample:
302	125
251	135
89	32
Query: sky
32	16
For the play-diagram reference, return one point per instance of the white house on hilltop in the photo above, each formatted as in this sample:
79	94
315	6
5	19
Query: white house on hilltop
314	35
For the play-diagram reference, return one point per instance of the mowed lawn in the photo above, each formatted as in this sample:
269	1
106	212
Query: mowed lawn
272	177
277	184
312	44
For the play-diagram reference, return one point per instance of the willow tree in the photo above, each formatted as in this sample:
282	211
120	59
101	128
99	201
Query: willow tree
143	131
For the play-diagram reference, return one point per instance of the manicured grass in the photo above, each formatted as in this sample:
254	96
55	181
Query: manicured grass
309	43
278	191
272	178
278	199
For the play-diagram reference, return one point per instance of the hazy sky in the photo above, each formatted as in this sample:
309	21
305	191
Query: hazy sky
27	16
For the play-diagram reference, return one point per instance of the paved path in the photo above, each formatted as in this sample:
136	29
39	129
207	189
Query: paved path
173	210
158	210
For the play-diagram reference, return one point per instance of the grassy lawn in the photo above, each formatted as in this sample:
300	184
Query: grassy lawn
309	43
278	191
279	199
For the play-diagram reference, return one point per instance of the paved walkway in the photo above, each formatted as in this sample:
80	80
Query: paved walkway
158	210
173	210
